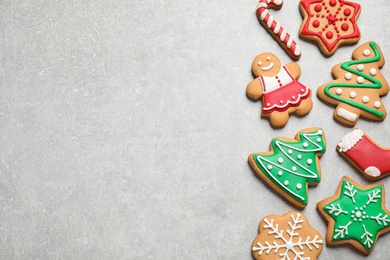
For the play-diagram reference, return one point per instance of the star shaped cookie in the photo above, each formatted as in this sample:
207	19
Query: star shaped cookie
357	215
330	23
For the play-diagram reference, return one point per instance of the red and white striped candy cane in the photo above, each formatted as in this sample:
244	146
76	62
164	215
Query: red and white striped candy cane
277	31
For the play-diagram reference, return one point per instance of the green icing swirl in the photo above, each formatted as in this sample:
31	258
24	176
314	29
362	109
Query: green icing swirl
376	84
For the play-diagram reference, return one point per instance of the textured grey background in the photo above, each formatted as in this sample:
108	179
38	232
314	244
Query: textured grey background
125	128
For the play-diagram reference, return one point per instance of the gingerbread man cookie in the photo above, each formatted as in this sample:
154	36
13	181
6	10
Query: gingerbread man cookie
278	86
330	23
358	86
287	237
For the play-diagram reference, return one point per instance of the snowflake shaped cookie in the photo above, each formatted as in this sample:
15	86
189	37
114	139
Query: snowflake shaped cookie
356	214
287	237
330	23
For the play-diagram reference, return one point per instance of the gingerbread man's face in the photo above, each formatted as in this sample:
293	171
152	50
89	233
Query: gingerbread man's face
266	64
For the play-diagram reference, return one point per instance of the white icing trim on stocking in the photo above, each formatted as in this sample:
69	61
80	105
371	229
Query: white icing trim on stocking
346	114
350	140
372	171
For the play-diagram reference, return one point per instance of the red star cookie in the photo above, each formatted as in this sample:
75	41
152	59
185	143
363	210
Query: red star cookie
330	23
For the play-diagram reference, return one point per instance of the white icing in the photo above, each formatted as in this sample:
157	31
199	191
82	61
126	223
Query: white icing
280	160
280	173
278	2
339	91
309	161
283	35
289	151
269	167
277	28
259	63
268	58
270	66
346	114
360	67
350	140
305	144
289	43
352	94
297	51
377	104
270	20
299	156
286	182
271	83
263	14
366	52
320	132
372	171
261	5
373	72
360	80
348	76
294	169
365	99
318	140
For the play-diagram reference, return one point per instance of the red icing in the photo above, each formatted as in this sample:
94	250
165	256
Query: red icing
366	153
329	35
345	13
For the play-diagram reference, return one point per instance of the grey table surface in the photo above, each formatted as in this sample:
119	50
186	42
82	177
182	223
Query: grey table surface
125	128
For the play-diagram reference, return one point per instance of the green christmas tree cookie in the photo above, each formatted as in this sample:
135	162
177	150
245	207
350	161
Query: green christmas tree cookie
357	215
292	164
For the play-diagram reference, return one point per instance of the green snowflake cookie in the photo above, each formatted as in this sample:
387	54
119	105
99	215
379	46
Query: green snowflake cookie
292	164
356	214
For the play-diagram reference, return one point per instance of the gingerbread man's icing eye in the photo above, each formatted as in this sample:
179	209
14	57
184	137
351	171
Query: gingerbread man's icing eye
268	58
259	63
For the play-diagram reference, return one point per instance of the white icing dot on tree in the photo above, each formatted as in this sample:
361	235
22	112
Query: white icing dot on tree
377	104
339	91
365	99
294	169
299	156
280	173
309	161
348	76
280	160
352	94
318	140
286	182
366	52
360	67
373	72
360	80
269	167
299	186
289	151
305	145
319	132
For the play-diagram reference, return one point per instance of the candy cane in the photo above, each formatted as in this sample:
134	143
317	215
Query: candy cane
275	29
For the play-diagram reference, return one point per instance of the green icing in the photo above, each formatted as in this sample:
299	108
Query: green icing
376	84
293	164
358	214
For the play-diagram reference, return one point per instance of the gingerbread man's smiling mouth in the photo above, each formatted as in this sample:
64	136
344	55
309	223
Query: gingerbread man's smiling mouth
270	66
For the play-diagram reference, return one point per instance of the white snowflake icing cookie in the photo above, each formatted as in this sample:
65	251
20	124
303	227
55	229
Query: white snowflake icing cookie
287	237
357	215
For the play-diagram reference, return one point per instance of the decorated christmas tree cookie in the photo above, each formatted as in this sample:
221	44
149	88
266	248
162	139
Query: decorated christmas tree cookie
292	164
357	215
358	86
279	88
287	237
368	157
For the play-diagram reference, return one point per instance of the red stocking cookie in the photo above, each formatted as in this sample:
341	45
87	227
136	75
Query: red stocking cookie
275	29
330	23
278	86
367	156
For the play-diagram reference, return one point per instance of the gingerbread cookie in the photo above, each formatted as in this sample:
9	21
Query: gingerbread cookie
287	237
358	86
357	215
278	86
292	164
275	29
330	23
368	157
